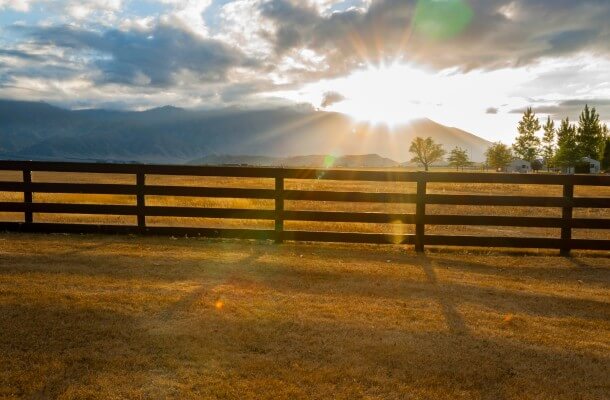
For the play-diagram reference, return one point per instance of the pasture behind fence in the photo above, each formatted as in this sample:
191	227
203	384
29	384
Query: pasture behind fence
279	214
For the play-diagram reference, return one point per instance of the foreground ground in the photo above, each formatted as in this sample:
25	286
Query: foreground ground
131	317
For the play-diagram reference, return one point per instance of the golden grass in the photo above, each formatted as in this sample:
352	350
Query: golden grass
108	317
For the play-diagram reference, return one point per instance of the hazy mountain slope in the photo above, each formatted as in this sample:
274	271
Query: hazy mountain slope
400	138
174	135
347	161
23	124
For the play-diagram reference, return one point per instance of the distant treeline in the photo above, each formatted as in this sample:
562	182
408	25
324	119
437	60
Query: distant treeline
559	147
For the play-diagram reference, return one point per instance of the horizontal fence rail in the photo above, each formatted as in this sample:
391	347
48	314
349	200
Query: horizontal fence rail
279	195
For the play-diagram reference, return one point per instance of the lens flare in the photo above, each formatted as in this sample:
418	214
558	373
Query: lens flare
329	161
441	19
399	229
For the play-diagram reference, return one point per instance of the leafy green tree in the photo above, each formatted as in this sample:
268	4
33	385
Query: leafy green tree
536	165
426	151
548	142
498	156
527	143
568	153
458	158
590	134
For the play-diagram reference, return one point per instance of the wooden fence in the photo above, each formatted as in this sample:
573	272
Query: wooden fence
279	194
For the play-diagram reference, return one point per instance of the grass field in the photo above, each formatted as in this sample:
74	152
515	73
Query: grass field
133	317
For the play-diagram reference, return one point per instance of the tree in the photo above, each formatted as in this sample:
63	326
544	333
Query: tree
426	152
458	157
527	143
536	165
548	142
568	153
498	156
590	134
605	161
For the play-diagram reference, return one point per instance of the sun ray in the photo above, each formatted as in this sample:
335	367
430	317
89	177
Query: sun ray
359	46
405	38
279	129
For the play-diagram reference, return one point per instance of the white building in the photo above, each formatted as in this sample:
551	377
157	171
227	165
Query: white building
519	165
594	165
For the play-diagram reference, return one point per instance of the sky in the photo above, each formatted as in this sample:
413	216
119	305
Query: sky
472	64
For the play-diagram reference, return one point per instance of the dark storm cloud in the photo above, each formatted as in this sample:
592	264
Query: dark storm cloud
146	57
501	33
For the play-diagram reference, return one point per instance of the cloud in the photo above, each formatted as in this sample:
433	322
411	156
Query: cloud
158	56
295	42
330	98
502	33
491	110
85	9
20	54
571	108
17	5
241	91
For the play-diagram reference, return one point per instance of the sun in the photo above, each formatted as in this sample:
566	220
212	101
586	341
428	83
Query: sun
399	92
386	94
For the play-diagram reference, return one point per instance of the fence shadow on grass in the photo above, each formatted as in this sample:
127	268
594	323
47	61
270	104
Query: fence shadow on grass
282	270
455	322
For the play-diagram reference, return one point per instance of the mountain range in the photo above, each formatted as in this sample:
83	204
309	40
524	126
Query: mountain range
271	136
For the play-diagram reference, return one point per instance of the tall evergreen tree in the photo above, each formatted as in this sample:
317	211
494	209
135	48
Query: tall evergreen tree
605	158
568	153
605	161
548	142
590	136
527	143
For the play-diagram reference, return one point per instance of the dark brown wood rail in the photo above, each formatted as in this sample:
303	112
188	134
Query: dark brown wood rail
567	202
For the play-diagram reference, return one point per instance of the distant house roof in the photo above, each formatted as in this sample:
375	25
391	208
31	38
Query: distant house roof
590	160
518	161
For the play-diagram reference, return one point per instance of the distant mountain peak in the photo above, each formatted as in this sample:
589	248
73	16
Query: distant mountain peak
166	108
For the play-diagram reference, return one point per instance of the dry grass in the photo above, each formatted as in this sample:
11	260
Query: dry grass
131	317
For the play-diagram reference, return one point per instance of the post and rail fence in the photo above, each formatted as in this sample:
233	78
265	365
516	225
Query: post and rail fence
279	214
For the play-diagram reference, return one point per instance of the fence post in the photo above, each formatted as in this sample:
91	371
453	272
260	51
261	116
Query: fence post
420	212
279	209
140	203
27	196
566	215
